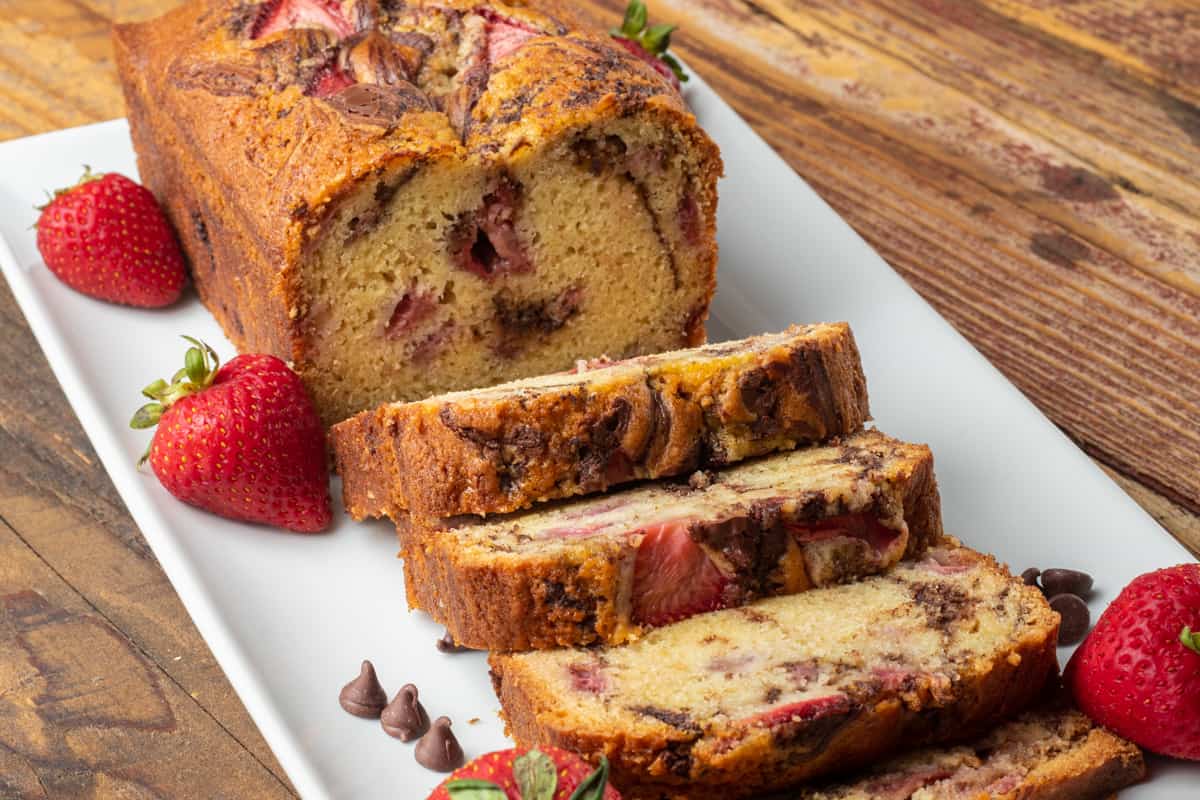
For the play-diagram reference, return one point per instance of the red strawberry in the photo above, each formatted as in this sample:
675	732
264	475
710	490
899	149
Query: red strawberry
107	237
329	81
803	711
545	773
282	15
673	577
242	441
1138	672
504	34
866	527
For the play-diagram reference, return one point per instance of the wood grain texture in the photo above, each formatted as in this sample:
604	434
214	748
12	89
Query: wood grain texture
1032	167
66	537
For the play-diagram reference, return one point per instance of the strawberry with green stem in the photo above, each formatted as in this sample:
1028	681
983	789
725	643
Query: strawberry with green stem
107	237
241	440
1138	671
649	42
547	773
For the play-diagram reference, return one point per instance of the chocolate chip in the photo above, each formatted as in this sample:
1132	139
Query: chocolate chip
446	644
1075	618
438	750
363	696
405	717
1066	581
1030	576
371	104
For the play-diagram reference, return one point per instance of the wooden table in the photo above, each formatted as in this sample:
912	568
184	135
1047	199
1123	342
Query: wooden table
1032	167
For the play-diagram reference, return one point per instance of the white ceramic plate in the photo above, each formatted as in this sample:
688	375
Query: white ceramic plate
289	617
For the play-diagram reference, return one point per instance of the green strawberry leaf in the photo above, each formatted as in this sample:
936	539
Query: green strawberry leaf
147	416
536	775
193	362
475	789
155	390
657	38
635	19
1190	639
675	66
593	786
200	364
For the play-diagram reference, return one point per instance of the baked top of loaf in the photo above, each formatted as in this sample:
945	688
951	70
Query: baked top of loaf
605	568
795	687
503	448
1041	755
257	90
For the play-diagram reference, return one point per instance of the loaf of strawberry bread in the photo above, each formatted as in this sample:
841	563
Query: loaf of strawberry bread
757	698
504	448
405	198
607	568
1041	755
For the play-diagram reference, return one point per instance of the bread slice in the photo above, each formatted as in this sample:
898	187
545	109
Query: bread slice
504	448
605	568
757	698
404	198
1042	755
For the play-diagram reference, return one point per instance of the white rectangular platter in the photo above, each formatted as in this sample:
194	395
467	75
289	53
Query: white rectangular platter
289	617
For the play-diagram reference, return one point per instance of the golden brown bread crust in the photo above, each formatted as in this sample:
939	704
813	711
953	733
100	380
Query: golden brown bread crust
464	457
1103	765
491	601
249	166
1054	753
658	766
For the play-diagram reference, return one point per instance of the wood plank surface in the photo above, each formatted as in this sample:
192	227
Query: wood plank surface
1031	167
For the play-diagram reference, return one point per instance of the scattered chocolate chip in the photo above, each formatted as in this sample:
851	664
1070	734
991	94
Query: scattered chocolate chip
1075	618
1030	576
1066	581
438	750
446	644
405	717
363	696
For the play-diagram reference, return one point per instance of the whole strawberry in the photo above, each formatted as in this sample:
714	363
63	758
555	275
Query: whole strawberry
528	774
107	237
242	441
1138	672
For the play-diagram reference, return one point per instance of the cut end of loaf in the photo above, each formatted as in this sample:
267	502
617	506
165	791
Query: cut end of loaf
452	276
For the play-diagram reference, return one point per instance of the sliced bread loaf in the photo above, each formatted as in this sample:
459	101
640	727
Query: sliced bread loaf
1042	755
757	698
605	568
504	448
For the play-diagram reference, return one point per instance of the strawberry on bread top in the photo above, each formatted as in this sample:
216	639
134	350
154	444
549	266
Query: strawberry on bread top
107	237
546	773
1138	671
243	441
